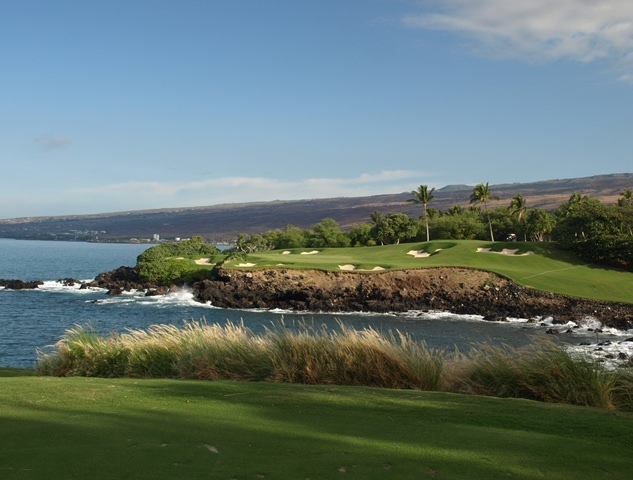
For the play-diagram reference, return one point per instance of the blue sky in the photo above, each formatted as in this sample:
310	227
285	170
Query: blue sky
125	105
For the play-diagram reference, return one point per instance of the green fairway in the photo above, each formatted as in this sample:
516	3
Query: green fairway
76	428
548	268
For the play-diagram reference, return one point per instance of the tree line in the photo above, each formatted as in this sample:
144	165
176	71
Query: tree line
597	232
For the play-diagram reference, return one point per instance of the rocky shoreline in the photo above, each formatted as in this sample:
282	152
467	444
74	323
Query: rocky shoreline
456	290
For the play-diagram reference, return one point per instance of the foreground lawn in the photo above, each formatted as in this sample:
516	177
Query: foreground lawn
104	428
548	269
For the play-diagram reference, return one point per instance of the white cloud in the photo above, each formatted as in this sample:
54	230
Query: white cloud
150	195
249	189
540	30
137	195
52	142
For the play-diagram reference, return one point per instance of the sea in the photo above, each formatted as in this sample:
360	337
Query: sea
32	321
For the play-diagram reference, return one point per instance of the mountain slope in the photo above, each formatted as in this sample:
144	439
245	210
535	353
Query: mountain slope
220	222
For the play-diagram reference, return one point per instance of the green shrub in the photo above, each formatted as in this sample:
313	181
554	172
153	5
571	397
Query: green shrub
167	263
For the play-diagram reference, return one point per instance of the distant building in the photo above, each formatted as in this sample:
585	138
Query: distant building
156	237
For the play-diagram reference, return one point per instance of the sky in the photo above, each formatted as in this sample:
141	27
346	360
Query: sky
110	106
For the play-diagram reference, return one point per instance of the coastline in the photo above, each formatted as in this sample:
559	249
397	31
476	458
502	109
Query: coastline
456	290
462	291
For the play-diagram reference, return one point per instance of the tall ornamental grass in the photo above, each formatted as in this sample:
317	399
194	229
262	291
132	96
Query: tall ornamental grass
542	371
306	354
352	357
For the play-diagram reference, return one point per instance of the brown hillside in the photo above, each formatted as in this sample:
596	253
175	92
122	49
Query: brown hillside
226	221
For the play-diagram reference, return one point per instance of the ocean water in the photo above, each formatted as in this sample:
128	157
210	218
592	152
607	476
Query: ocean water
33	320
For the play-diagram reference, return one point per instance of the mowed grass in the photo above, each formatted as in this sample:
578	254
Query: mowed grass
77	428
549	268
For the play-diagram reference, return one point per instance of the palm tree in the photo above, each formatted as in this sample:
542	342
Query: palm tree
518	209
424	196
378	219
627	198
482	194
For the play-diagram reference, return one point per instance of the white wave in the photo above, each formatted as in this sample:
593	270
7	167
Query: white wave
182	298
55	286
440	315
611	354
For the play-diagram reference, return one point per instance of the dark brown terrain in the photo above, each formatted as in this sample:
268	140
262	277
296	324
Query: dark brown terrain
456	290
224	222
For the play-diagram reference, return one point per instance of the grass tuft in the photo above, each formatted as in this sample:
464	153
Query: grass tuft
305	354
542	371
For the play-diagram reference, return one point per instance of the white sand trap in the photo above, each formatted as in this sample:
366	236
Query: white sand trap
281	264
310	253
287	252
347	267
376	269
418	253
511	252
246	264
202	261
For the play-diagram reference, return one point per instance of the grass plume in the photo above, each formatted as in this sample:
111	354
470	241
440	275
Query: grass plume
306	354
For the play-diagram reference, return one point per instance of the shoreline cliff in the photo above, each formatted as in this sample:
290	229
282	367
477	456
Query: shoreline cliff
457	290
451	289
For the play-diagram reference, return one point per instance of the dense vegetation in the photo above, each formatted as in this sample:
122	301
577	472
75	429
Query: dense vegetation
306	355
596	232
167	263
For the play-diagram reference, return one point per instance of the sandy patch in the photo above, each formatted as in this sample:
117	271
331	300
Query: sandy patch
246	264
310	253
347	267
287	252
202	261
418	253
511	252
376	269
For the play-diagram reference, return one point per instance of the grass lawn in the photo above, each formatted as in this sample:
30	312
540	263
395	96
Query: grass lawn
122	428
549	268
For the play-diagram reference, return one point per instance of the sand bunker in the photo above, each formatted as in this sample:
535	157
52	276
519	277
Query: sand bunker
202	261
511	252
310	253
347	267
418	253
246	264
287	252
352	267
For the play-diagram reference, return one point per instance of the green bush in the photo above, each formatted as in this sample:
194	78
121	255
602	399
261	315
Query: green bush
167	263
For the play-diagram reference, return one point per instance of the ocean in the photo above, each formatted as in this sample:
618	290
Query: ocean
31	321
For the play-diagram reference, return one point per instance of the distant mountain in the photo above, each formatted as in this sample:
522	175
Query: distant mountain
224	222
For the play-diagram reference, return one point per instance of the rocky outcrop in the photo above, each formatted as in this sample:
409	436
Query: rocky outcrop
20	284
120	280
458	290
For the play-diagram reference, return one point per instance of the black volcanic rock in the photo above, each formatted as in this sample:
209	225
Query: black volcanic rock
20	284
457	290
124	278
